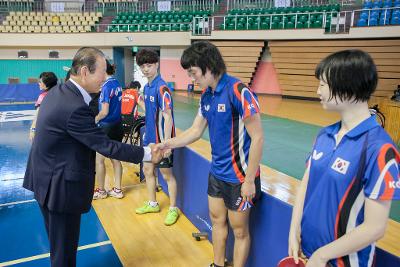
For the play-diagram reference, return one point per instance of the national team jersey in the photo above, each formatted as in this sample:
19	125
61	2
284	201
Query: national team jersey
225	109
111	93
129	102
40	99
157	99
363	165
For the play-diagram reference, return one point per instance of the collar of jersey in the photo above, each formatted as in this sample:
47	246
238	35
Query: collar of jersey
363	127
221	84
155	80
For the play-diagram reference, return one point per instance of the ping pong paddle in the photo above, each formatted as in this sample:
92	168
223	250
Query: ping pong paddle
289	262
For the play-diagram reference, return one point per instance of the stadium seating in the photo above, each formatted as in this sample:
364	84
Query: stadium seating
280	18
154	21
379	13
48	22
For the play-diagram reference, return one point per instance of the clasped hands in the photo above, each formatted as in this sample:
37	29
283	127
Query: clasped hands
159	151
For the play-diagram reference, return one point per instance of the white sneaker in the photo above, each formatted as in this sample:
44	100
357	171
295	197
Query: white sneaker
99	194
115	192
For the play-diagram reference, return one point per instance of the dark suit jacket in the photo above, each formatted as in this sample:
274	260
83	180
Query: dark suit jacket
61	164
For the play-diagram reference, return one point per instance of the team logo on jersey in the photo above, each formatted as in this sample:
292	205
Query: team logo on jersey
207	108
317	156
221	107
394	185
151	98
340	165
251	106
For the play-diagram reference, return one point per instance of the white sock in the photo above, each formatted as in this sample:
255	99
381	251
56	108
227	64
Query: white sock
171	208
153	203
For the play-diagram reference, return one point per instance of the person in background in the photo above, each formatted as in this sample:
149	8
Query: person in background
158	106
47	80
109	120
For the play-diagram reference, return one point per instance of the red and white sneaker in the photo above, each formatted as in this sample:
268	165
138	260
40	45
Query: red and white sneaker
115	192
99	194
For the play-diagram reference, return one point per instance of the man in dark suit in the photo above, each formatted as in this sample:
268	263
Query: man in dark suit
61	164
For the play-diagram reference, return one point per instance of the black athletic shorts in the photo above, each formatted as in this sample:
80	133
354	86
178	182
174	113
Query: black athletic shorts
114	131
231	194
166	163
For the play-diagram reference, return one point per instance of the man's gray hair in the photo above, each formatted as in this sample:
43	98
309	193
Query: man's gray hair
86	56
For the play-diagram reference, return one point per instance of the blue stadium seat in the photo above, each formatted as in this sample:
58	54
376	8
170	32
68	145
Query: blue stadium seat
387	3
367	5
395	21
377	4
373	22
364	15
384	21
362	23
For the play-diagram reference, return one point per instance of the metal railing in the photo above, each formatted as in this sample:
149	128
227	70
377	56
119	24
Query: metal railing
53	6
284	18
143	27
356	15
202	25
235	4
109	7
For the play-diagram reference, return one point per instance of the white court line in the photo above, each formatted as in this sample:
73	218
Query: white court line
17	115
47	255
17	202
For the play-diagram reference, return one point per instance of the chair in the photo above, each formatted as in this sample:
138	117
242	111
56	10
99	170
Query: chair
362	22
32	80
13	80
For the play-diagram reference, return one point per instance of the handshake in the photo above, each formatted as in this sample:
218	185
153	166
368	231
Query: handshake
160	151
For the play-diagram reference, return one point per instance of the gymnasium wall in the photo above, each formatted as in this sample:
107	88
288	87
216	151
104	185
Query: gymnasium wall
170	67
43	53
24	69
265	79
295	63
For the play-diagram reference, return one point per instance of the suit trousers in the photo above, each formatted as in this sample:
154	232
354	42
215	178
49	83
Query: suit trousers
63	232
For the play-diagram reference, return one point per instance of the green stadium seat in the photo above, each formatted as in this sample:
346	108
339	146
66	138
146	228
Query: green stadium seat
289	25
274	25
265	25
300	25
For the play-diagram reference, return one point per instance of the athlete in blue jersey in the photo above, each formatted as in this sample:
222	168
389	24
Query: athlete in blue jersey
231	112
159	109
109	120
352	175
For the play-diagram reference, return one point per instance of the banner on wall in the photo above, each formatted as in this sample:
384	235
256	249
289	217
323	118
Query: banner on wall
57	7
282	3
164	5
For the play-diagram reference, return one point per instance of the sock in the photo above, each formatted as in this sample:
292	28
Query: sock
153	203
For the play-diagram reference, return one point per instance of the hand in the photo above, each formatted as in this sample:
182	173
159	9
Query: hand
167	153
294	245
156	154
31	136
248	191
316	260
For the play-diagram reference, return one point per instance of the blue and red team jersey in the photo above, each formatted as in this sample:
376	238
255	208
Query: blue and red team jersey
157	99
363	165
111	93
225	109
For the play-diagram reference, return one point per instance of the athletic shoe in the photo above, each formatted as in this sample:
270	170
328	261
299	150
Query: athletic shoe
115	192
172	216
147	208
99	194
